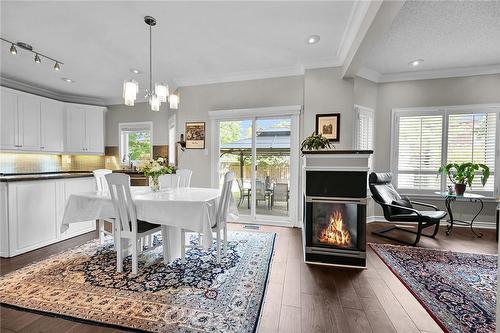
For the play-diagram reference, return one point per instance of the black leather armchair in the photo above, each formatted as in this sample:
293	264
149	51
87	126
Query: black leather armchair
400	209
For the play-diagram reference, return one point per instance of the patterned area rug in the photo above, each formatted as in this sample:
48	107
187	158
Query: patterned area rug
457	289
197	296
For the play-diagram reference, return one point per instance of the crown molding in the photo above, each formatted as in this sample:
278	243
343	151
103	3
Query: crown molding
35	90
354	22
377	77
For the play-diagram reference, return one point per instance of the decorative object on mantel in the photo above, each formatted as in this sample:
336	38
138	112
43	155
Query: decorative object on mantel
154	169
329	126
195	135
29	48
457	289
155	96
462	174
316	142
195	296
182	143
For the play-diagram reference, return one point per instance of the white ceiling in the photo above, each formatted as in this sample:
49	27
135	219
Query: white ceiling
452	37
193	42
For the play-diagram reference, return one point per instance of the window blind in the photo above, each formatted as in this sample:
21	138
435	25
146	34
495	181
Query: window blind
364	130
471	137
419	152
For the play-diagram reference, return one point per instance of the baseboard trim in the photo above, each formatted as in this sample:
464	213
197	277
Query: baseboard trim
477	224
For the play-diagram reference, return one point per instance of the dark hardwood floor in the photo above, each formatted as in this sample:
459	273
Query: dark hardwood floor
300	298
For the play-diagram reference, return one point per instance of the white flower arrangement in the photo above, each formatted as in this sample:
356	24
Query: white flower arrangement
154	168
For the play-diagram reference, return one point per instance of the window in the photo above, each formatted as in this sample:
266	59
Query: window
423	140
135	141
171	140
363	128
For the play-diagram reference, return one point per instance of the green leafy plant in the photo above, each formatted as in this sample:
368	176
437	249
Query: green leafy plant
316	142
464	173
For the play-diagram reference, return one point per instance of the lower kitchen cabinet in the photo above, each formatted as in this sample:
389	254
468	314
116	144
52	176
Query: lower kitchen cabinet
32	213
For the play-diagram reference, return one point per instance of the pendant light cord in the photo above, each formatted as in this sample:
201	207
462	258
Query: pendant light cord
150	61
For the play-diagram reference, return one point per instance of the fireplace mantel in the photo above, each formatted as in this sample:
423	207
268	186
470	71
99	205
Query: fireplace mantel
336	160
337	152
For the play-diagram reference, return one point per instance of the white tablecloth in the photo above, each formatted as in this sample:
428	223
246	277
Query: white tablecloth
192	209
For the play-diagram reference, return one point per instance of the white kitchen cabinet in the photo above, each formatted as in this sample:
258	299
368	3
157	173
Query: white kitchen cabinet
32	212
51	126
32	215
29	122
71	186
84	129
9	138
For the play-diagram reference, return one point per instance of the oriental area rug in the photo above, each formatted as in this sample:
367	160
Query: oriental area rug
457	289
198	295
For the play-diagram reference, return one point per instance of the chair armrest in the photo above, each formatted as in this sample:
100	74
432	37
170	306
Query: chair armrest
424	204
398	207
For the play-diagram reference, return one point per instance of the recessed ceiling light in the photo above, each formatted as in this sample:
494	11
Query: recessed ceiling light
65	79
416	62
135	71
313	39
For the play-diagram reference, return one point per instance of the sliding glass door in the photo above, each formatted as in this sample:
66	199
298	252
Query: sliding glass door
261	153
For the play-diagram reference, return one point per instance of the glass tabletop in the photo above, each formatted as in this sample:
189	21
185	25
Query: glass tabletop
465	195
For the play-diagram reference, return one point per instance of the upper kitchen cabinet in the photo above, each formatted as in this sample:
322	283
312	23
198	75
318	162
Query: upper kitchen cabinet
84	129
51	126
9	138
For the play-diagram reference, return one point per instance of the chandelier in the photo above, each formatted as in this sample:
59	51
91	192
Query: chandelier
160	93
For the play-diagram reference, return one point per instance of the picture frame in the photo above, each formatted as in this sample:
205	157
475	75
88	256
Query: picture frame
195	135
328	124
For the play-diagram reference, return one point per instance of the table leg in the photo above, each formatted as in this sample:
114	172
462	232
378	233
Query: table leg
174	242
447	203
498	222
472	221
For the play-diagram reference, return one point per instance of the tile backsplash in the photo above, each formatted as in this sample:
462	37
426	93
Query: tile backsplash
32	163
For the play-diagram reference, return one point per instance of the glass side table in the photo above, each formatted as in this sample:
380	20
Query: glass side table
467	197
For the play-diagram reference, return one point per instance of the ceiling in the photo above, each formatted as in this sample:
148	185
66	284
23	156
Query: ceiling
193	42
452	37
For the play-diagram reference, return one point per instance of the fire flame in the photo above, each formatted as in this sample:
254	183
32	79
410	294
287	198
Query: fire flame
336	233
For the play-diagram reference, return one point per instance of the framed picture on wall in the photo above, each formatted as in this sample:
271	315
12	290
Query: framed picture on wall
195	135
328	125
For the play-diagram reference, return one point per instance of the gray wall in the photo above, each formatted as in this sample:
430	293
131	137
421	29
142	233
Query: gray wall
139	112
437	92
196	101
326	92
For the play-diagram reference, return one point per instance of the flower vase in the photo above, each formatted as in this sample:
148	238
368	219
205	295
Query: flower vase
154	183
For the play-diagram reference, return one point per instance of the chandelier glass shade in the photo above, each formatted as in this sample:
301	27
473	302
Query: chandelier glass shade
173	99
160	93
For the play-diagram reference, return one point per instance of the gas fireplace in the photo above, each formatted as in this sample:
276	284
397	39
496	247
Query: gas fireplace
335	212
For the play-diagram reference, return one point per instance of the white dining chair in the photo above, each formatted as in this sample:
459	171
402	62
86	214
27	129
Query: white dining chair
220	220
102	185
169	181
127	226
184	177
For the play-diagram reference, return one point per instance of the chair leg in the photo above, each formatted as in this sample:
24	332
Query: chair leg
165	243
101	231
218	244
135	256
225	240
436	229
183	245
119	254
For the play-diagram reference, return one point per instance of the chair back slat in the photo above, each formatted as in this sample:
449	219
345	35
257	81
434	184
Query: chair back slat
101	182
225	199
119	189
169	181
280	192
184	177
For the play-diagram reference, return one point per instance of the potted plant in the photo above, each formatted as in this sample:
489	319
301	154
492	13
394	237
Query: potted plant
462	174
316	142
154	169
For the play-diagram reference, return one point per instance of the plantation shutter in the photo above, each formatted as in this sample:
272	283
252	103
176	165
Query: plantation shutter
364	129
419	152
471	137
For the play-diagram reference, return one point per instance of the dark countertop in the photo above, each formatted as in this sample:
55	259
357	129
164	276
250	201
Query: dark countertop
338	151
16	177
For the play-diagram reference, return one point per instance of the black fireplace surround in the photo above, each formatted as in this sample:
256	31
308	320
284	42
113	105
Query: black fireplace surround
335	218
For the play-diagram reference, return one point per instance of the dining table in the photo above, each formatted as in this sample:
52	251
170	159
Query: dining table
191	208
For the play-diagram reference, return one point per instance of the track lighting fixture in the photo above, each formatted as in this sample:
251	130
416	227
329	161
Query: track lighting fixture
29	48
